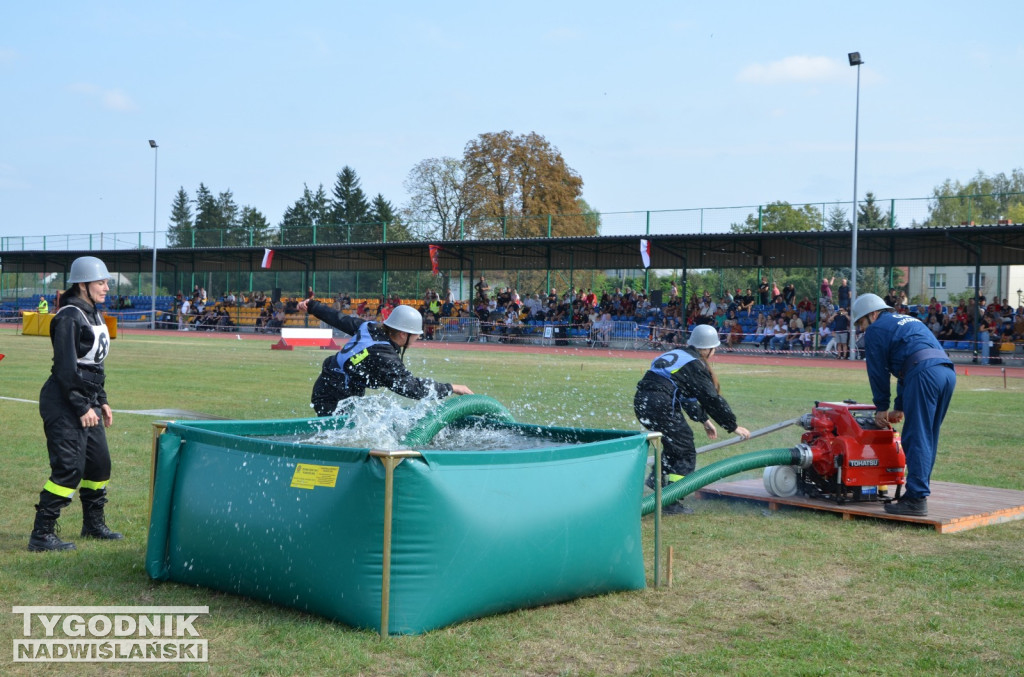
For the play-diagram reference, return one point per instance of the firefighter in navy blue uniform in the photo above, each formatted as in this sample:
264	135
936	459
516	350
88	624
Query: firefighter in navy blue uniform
682	382
73	405
902	346
371	358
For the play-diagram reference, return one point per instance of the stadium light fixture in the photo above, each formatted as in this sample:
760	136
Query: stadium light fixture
855	60
152	315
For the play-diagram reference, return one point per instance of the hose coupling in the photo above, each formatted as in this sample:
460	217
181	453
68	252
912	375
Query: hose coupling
803	455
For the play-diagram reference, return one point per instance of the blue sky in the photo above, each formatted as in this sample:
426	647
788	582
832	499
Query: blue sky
657	105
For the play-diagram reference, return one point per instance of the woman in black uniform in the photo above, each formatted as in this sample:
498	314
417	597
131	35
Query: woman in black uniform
370	359
682	381
74	409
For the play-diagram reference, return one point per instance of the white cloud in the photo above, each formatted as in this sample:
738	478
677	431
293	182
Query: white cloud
111	99
117	100
794	69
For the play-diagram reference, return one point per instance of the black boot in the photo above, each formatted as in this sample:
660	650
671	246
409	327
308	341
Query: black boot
912	507
94	526
675	508
93	523
44	534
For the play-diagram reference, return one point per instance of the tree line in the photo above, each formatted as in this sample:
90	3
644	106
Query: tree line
983	199
519	186
504	185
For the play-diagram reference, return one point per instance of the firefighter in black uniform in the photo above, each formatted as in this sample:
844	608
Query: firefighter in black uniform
371	358
74	408
682	381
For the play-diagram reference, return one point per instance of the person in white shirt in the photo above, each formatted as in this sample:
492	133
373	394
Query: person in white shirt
183	313
780	332
707	310
603	330
806	339
532	304
826	339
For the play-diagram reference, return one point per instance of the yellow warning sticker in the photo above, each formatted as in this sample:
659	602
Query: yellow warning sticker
308	476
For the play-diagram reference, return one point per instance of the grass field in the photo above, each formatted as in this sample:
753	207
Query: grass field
755	592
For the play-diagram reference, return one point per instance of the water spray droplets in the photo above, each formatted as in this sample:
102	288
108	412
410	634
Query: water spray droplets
375	421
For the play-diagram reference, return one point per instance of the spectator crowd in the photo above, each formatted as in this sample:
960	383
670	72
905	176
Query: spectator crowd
764	318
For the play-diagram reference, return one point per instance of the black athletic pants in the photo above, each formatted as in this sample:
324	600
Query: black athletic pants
79	457
655	412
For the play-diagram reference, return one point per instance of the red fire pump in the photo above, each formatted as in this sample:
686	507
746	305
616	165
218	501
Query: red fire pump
852	458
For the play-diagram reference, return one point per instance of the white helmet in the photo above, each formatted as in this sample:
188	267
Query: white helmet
87	269
867	303
405	318
703	336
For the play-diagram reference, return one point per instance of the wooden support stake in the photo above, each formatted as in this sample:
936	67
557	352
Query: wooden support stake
390	460
385	586
159	428
671	558
654	440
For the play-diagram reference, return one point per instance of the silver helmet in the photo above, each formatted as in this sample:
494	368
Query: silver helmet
703	336
867	303
87	269
405	318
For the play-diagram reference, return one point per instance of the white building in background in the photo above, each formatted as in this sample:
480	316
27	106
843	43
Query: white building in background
942	282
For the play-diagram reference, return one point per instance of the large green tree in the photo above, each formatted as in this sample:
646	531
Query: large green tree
228	215
781	217
254	228
837	219
983	199
439	198
870	215
179	233
219	221
209	225
307	217
382	214
350	211
591	217
516	182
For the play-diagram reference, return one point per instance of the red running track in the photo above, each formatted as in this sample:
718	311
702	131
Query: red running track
758	358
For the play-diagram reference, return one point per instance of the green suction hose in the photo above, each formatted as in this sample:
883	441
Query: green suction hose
716	471
455	409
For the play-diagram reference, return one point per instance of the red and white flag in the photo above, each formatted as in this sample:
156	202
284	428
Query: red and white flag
435	251
645	252
268	256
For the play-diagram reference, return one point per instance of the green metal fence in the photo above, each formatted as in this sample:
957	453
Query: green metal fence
891	213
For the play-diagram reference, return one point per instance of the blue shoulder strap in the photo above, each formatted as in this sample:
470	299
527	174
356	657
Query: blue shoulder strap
358	347
669	363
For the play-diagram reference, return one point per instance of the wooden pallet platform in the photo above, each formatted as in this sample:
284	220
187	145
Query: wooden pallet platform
951	507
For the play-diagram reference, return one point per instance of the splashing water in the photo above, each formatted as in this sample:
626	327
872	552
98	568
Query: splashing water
485	438
376	421
382	421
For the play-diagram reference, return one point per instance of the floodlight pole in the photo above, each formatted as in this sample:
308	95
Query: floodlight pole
152	315
855	60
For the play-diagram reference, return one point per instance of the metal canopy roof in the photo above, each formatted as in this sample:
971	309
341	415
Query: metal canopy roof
955	246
